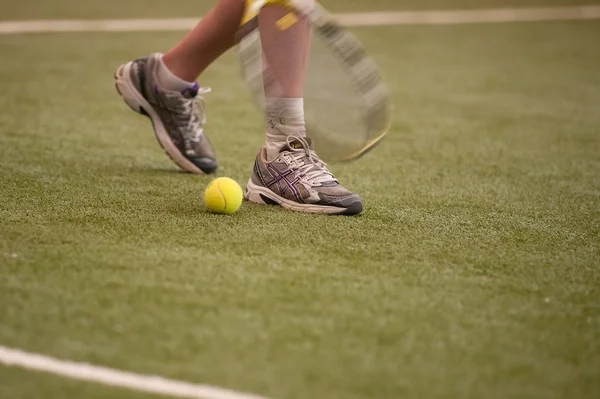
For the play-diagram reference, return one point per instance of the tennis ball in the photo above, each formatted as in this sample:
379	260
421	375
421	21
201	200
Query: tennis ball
223	195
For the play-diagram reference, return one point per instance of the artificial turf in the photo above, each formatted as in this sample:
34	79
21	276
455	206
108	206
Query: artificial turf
472	273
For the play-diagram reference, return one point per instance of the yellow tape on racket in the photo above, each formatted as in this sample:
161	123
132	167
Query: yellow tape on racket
253	7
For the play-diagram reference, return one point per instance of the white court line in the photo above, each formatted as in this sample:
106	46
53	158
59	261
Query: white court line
121	379
348	19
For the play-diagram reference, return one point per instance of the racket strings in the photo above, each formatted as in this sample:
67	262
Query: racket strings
346	102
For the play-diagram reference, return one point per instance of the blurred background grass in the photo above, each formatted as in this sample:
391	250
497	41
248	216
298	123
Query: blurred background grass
37	9
473	272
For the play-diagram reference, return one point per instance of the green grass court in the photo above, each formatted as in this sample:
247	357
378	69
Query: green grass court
473	272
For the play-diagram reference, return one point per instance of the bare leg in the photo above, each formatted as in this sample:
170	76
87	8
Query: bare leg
285	48
285	40
214	35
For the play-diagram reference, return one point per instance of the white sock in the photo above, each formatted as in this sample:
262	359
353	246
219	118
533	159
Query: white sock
168	81
285	116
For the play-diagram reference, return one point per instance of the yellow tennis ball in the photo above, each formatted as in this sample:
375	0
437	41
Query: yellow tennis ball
223	195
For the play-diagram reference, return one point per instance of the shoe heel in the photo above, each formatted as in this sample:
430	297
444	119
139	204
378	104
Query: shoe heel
254	195
126	89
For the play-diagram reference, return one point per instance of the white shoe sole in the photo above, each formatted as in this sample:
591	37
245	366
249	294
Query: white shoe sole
138	103
257	194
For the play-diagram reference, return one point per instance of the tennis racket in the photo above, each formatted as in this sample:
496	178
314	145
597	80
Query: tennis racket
346	101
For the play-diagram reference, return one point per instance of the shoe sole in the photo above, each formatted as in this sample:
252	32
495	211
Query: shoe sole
262	195
134	99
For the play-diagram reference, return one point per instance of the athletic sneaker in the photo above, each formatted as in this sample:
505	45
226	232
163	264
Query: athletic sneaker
177	117
298	180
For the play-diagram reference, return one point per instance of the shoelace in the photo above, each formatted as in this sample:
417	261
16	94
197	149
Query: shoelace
309	164
186	111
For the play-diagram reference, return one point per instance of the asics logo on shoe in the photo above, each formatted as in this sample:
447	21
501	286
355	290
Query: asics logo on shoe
283	183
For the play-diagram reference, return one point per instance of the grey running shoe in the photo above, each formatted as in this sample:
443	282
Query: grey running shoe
298	180
177	118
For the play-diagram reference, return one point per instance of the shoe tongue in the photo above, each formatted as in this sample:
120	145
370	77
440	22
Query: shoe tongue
192	91
296	145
